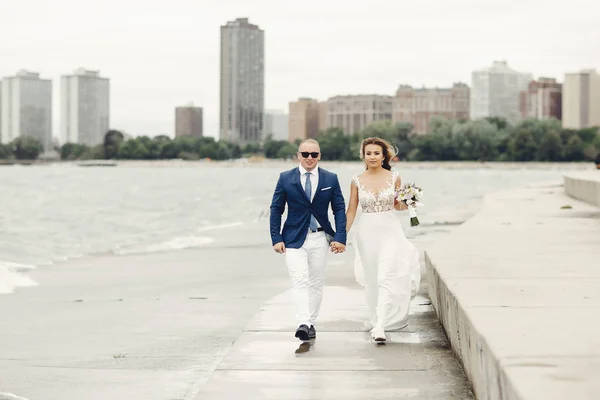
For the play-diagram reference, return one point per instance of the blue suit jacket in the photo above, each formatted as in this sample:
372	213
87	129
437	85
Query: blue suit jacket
289	191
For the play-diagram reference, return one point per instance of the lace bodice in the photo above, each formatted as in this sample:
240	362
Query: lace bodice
374	203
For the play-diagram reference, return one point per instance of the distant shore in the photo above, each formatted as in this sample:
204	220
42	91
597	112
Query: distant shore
263	163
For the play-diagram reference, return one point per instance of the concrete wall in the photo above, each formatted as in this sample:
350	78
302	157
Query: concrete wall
584	186
517	290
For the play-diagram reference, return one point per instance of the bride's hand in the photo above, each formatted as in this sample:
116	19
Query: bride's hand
400	206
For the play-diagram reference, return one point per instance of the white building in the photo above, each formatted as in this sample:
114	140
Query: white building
26	108
276	125
242	85
581	99
495	92
85	108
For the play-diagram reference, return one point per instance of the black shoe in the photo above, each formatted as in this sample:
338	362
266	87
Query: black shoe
302	333
312	333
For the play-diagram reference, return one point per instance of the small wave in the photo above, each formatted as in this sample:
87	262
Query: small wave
16	266
220	226
178	243
11	277
10	396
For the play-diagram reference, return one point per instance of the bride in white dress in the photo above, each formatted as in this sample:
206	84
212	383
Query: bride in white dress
386	264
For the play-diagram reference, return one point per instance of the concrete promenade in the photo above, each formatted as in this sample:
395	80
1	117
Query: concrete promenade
209	323
517	290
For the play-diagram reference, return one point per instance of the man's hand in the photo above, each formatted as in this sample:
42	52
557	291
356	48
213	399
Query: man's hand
337	247
279	248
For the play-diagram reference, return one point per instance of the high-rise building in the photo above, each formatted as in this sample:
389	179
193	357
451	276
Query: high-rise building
323	116
276	125
581	99
303	119
542	99
188	121
85	107
495	92
242	82
352	113
417	106
26	103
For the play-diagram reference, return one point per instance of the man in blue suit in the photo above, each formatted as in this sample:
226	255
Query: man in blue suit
307	234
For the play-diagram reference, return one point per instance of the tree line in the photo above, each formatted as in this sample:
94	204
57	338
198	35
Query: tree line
116	146
489	139
22	148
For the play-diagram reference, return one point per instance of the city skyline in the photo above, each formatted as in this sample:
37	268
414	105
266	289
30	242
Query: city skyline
342	49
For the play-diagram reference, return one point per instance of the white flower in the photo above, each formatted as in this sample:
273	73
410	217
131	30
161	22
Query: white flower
410	193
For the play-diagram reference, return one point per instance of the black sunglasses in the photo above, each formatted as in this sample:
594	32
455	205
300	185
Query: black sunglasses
313	154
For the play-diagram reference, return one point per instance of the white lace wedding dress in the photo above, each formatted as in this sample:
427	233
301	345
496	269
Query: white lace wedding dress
386	263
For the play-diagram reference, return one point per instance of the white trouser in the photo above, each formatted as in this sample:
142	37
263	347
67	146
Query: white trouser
306	266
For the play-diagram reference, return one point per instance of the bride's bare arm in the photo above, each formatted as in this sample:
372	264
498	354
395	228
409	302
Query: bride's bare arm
352	206
398	205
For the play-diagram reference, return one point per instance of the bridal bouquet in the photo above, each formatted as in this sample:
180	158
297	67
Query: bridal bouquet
410	194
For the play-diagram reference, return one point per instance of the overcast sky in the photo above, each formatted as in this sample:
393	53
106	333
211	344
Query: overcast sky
162	54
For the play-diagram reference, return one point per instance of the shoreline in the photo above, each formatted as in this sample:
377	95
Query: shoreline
19	277
263	162
140	326
12	267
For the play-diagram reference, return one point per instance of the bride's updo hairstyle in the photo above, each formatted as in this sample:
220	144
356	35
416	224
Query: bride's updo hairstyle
388	151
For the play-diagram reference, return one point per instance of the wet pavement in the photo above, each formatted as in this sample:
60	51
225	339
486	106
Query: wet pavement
267	362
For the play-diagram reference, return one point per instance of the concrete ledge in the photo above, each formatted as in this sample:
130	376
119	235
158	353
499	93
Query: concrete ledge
517	290
584	186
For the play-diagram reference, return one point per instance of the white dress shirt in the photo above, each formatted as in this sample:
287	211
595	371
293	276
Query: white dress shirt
314	181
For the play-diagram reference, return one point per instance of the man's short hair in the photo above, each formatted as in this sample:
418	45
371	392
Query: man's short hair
309	141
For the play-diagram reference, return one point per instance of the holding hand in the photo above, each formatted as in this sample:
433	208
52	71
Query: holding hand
279	248
337	247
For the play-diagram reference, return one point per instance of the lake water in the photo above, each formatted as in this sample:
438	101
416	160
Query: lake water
56	212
